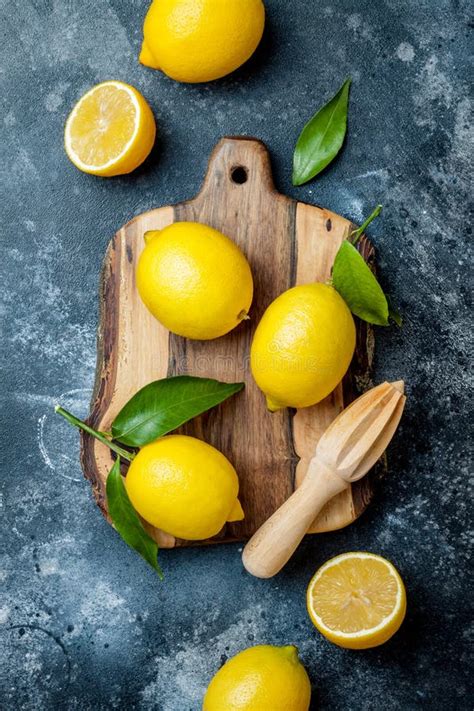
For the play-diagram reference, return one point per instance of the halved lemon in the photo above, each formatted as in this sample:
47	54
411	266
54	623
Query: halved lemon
110	131
357	600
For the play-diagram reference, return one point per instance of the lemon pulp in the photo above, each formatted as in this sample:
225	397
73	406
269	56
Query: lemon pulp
357	600
110	131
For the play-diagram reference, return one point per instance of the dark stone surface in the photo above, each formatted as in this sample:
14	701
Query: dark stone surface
85	624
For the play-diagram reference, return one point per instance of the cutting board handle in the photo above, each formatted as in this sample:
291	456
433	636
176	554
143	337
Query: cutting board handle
237	165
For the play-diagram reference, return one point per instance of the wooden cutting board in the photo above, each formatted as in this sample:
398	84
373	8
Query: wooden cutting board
286	243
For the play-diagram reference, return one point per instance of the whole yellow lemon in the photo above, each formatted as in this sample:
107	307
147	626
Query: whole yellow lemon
194	280
302	346
201	40
184	487
261	678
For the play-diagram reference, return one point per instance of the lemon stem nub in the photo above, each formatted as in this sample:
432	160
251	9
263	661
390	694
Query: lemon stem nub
151	234
292	651
146	58
272	405
237	512
243	316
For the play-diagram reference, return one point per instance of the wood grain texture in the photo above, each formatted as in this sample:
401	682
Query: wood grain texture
286	243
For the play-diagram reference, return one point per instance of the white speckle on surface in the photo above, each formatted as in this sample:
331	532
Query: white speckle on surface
22	167
31	325
434	89
105	611
33	663
55	99
103	599
381	173
360	28
48	566
354	21
4	614
460	159
9	119
41	446
355	207
49	446
405	52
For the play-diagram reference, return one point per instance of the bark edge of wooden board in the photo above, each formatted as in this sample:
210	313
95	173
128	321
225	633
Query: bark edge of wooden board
287	243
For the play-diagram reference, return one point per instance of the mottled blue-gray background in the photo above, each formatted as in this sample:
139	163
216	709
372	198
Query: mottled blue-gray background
84	623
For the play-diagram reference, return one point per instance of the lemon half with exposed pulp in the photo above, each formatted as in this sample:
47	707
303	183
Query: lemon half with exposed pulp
357	600
261	678
110	131
302	346
184	486
201	40
194	280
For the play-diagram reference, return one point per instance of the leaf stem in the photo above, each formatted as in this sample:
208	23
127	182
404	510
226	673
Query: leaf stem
73	420
356	234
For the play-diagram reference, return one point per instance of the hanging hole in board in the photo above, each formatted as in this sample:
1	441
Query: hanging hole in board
239	175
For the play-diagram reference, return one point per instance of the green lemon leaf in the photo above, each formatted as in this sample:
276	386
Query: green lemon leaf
321	139
126	520
359	288
166	404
